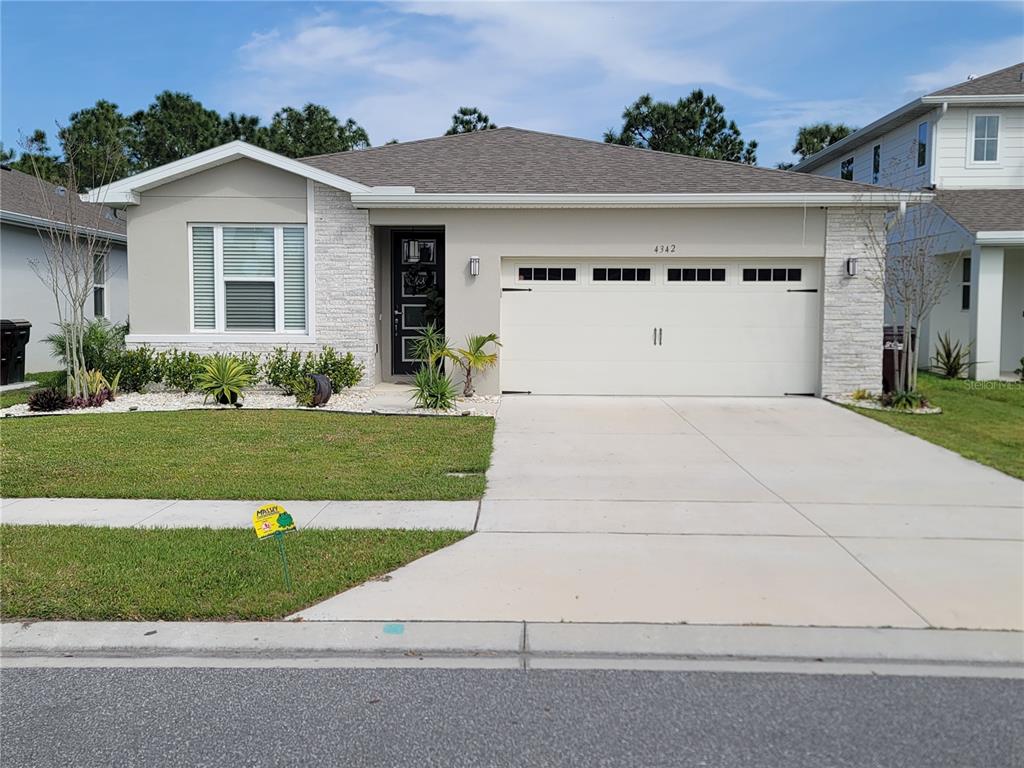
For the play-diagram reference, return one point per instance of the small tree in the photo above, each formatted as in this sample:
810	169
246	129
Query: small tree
474	357
904	247
73	244
468	120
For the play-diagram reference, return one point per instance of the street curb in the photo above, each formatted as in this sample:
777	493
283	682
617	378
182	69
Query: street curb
533	640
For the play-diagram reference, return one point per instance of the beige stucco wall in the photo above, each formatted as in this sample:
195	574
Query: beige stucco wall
242	191
473	305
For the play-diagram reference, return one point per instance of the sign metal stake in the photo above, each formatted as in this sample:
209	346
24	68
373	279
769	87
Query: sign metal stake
284	559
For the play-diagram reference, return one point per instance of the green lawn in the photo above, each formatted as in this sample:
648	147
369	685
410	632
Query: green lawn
239	454
44	380
132	574
982	420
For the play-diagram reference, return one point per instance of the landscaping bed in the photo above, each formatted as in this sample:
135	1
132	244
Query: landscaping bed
131	574
233	453
981	420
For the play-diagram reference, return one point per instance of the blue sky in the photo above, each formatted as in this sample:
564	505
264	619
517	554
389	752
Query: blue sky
401	69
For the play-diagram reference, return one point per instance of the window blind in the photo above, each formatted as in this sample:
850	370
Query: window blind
249	305
203	280
248	251
294	278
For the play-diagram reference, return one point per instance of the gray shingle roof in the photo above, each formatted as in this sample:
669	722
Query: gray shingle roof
513	160
984	210
1006	81
20	194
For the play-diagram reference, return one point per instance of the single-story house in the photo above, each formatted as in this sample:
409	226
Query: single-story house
604	269
29	210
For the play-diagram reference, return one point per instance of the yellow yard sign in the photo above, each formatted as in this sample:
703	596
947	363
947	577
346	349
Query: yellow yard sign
270	519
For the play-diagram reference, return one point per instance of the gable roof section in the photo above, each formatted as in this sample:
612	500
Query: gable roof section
26	201
984	210
511	161
126	191
1004	86
1006	82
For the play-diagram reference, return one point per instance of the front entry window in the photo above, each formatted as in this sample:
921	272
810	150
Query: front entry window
419	251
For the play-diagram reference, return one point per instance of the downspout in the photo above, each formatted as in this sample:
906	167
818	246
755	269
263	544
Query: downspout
932	177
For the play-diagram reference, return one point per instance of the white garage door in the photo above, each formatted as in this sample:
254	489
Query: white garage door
687	327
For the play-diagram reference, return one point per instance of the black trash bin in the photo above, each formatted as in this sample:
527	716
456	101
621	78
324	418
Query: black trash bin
892	348
13	340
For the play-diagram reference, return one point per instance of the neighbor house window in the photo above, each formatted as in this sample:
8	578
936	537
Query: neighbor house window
922	145
99	285
965	284
846	169
622	275
986	138
772	275
876	163
249	278
695	274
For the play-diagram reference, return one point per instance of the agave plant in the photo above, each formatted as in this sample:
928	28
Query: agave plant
431	388
951	357
474	357
224	378
431	346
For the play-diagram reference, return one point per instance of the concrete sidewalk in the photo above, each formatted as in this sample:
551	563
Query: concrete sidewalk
170	513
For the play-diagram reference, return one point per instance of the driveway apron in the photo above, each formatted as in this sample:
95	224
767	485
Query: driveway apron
787	511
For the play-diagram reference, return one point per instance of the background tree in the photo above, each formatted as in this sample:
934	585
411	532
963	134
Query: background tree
814	138
246	128
694	126
469	119
37	159
313	130
102	138
174	126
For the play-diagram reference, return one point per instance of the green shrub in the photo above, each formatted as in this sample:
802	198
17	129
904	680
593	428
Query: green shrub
224	378
180	370
904	400
282	368
304	389
860	394
1020	371
431	388
138	369
342	370
252	364
101	342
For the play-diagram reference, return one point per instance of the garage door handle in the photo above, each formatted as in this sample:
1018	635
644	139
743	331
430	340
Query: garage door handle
801	290
654	337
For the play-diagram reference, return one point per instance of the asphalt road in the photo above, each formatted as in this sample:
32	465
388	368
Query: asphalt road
387	717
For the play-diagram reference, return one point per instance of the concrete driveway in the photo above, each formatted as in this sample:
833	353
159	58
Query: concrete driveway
719	511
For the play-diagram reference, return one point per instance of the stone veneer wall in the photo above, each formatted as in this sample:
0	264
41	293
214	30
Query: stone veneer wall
853	307
343	280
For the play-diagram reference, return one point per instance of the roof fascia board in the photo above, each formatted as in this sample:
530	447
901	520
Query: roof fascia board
1000	237
38	222
126	191
995	98
650	200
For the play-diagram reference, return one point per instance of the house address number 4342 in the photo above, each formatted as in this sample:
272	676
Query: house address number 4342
666	248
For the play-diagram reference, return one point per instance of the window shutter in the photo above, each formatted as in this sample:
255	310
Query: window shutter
249	305
203	282
248	252
294	279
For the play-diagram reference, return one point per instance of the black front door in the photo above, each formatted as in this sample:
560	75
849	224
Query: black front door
417	283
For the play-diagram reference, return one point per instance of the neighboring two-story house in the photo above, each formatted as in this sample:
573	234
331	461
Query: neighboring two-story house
966	142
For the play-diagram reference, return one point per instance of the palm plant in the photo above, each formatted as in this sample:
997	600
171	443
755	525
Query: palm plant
224	378
474	357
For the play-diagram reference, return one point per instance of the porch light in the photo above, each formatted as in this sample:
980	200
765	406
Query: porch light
851	266
474	265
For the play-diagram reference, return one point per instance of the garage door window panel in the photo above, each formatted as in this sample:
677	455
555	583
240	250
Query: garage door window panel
772	274
621	274
695	274
546	274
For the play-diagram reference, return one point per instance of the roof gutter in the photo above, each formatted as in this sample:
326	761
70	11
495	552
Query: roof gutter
886	199
38	222
1003	237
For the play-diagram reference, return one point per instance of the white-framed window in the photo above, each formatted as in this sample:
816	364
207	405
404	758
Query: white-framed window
772	274
965	285
546	274
876	163
984	138
99	285
922	144
621	275
249	278
846	169
695	275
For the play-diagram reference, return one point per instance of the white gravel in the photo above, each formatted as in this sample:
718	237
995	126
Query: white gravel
352	401
874	405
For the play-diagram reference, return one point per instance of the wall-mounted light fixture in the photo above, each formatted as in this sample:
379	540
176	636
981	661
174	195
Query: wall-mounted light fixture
851	266
474	265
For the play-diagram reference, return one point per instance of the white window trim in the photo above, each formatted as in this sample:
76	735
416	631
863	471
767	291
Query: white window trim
219	332
106	281
969	155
